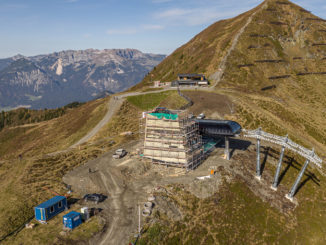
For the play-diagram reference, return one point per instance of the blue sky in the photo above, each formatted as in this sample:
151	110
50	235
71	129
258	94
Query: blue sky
34	27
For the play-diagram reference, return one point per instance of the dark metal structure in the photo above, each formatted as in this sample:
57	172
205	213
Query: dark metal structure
286	143
214	128
192	76
219	128
190	80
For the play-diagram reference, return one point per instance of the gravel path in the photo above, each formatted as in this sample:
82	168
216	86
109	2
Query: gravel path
217	76
113	106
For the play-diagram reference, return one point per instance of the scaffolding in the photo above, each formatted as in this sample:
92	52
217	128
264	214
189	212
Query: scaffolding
172	139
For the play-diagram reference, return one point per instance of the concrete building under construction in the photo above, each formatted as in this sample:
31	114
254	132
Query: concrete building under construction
172	138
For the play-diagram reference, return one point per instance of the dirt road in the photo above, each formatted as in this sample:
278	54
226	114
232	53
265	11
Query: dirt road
112	107
217	76
111	185
120	208
127	182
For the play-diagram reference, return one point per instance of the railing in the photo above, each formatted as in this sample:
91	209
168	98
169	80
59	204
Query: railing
190	102
286	142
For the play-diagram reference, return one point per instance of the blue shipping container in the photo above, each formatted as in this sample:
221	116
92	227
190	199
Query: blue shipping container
50	208
72	220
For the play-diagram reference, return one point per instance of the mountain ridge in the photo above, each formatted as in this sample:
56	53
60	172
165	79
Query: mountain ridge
274	74
53	80
240	209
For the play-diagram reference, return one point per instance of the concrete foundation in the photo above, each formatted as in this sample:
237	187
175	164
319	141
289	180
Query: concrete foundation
288	197
273	188
258	177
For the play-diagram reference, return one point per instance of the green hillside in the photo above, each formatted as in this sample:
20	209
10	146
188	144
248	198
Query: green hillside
42	172
23	116
31	179
282	51
273	78
201	54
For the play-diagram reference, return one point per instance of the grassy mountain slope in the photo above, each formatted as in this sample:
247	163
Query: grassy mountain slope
42	173
236	214
131	109
24	182
284	49
281	46
201	54
23	116
49	136
280	41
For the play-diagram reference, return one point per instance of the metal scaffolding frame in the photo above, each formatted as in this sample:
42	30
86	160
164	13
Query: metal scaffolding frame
286	143
227	148
172	142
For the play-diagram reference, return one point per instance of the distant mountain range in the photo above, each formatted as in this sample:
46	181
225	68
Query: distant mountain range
53	80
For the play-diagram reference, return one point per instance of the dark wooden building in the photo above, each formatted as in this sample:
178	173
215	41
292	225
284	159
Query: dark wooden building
190	80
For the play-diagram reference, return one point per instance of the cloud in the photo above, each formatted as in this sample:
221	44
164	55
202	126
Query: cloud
195	16
134	30
121	31
174	13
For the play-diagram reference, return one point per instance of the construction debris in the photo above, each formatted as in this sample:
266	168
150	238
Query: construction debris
203	177
128	133
29	225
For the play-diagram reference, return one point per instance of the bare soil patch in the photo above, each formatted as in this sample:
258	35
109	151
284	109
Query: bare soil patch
212	102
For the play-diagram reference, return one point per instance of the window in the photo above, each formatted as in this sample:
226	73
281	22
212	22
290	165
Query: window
60	204
51	209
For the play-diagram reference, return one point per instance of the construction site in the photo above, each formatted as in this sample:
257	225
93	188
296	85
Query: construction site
172	138
180	179
179	159
179	153
176	138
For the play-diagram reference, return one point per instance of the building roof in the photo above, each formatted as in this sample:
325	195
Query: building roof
161	110
71	214
51	202
188	81
190	75
232	125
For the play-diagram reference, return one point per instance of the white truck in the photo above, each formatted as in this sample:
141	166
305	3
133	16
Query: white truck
120	153
201	116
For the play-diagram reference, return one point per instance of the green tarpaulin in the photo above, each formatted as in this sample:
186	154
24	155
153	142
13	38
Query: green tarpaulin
166	116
